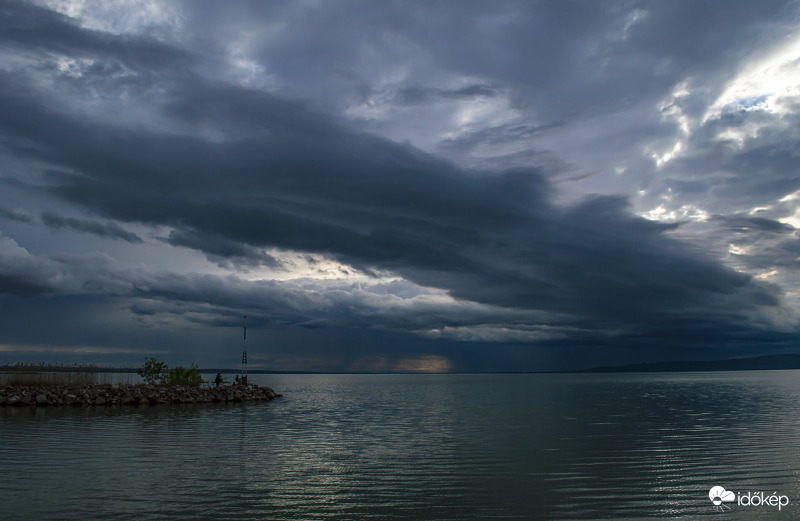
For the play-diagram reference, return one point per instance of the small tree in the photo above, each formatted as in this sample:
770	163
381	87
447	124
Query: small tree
182	376
152	371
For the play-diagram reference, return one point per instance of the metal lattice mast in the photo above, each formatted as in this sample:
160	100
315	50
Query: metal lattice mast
244	353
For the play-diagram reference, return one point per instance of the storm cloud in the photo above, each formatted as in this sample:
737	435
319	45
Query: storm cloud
111	230
215	183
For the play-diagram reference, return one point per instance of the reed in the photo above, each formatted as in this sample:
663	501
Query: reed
47	378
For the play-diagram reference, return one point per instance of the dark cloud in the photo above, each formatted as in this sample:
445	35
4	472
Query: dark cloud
28	28
747	159
23	285
108	230
563	58
414	95
500	134
763	244
15	214
748	224
23	274
223	251
244	173
306	183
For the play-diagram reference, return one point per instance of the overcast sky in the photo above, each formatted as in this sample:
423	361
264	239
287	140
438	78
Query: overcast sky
399	186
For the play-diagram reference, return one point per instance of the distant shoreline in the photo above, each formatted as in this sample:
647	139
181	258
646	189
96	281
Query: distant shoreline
758	363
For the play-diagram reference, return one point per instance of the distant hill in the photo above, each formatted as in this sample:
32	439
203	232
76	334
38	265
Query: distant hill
758	363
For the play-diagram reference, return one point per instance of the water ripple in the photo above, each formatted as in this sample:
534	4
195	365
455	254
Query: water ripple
415	447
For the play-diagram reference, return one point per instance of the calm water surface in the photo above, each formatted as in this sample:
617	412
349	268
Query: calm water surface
428	447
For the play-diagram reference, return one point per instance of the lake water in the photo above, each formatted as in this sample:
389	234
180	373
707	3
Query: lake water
422	447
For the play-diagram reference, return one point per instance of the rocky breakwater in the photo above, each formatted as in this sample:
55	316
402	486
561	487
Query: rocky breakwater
137	395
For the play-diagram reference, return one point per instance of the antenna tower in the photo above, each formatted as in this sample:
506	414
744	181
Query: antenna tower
244	353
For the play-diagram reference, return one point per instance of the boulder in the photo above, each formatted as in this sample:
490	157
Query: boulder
130	395
128	399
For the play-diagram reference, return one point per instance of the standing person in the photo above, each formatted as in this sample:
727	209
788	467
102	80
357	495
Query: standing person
218	379
238	381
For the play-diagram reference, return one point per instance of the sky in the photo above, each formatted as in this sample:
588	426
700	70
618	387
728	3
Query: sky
399	186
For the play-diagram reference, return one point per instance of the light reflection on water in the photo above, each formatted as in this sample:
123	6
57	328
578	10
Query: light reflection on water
417	447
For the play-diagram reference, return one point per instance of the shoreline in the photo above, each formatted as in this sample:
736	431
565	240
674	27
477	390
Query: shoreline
128	395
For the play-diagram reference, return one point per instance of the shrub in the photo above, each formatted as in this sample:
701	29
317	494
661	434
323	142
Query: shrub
182	376
154	372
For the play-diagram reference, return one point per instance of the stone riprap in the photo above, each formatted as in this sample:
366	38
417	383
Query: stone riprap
137	395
